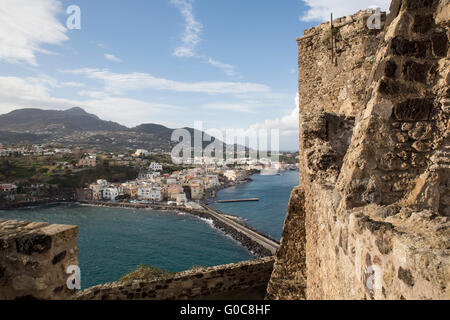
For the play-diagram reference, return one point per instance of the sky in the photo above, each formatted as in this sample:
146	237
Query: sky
231	64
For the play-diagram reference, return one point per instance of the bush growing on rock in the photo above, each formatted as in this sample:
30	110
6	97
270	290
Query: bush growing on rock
144	272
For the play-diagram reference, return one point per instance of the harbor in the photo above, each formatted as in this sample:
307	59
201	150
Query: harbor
238	200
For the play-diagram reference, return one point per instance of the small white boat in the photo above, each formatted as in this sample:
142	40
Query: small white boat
270	172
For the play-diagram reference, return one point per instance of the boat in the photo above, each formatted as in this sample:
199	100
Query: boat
270	172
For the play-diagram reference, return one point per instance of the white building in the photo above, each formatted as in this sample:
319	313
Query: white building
63	150
150	193
236	175
144	193
230	175
110	194
156	194
193	205
181	199
102	182
8	187
212	181
171	181
154	166
141	152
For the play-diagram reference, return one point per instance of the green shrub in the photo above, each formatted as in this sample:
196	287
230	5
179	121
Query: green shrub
197	268
144	272
327	36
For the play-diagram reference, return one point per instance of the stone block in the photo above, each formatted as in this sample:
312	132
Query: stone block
413	110
413	71
421	131
34	258
423	23
440	44
35	243
389	87
420	4
404	47
390	69
421	146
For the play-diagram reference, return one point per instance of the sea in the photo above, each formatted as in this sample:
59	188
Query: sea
267	214
114	241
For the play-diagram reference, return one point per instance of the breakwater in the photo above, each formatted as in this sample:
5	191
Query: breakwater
228	228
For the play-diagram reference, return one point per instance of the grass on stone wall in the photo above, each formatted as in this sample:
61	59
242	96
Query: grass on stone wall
148	273
145	272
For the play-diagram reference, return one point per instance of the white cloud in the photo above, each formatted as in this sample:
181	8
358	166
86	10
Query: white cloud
288	125
100	44
117	83
233	107
191	38
227	68
320	10
71	84
29	93
127	111
17	93
93	94
27	25
112	58
192	31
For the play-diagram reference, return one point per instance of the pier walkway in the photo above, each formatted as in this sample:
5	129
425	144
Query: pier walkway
265	242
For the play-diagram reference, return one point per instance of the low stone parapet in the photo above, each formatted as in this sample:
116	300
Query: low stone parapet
247	280
34	257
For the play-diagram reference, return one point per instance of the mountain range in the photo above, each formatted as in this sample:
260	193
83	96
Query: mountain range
76	127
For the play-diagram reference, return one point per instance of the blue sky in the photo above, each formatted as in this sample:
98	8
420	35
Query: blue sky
230	64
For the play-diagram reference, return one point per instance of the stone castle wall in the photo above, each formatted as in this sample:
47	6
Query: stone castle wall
34	258
370	219
244	280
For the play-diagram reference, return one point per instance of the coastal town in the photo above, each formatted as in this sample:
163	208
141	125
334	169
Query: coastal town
122	178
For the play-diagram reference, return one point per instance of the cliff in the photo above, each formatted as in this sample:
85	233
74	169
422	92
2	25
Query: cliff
370	219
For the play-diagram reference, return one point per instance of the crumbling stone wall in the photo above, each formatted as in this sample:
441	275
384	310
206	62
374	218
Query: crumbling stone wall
244	280
34	257
288	280
374	161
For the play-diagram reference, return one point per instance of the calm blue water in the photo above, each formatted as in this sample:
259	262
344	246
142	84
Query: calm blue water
113	241
266	215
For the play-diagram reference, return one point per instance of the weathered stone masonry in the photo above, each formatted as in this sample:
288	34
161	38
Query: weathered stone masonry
231	281
370	219
34	258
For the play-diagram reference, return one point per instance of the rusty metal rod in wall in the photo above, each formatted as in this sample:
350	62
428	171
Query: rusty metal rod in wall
331	37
